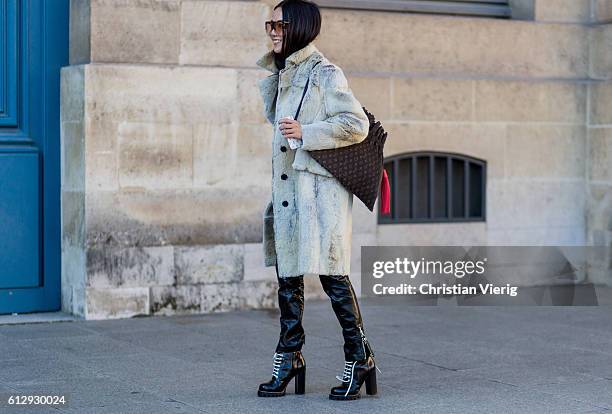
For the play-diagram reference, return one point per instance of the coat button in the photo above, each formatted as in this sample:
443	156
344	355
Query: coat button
283	176
283	148
285	204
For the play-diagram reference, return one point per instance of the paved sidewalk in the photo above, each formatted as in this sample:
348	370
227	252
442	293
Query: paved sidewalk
434	359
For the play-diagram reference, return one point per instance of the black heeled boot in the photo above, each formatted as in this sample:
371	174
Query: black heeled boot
360	366
291	306
287	365
288	360
355	374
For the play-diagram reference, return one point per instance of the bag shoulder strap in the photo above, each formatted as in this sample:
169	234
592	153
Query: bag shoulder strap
304	93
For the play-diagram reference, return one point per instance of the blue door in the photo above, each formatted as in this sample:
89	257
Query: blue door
33	47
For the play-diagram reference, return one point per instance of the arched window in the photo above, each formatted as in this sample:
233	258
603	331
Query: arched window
435	187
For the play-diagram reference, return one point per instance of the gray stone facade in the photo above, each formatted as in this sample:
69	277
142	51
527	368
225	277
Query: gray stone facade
166	152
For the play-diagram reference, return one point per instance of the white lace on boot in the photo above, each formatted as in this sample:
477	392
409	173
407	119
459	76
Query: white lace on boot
278	359
347	374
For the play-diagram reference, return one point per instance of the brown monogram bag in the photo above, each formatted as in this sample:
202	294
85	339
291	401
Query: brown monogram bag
358	167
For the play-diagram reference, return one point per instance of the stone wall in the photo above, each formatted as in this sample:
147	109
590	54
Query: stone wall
166	148
173	172
513	93
599	166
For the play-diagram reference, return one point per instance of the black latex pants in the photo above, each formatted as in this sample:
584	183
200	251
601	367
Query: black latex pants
345	306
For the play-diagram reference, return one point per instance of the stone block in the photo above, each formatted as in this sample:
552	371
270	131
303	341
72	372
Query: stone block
73	265
533	202
545	151
175	217
110	266
601	58
537	236
171	300
600	154
259	294
151	111
482	141
232	155
602	10
80	31
79	301
73	279
73	156
66	294
373	92
102	128
116	303
568	11
155	155
520	101
601	103
225	33
599	211
73	218
72	93
143	31
451	46
221	297
249	97
433	234
106	176
432	99
164	94
255	146
253	267
215	148
209	264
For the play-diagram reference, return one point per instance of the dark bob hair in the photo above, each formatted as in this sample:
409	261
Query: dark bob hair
305	24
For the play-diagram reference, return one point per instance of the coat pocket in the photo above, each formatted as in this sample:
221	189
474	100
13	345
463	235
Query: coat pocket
304	162
268	236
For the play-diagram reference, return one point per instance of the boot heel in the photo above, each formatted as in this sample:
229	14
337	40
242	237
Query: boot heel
370	383
300	381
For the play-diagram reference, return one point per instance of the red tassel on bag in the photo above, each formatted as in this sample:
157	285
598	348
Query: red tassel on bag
385	194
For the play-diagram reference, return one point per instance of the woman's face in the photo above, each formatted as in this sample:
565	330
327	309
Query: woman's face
277	38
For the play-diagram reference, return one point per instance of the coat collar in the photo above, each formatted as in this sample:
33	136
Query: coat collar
267	60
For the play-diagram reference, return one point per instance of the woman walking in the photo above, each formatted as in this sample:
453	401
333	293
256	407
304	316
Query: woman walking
312	212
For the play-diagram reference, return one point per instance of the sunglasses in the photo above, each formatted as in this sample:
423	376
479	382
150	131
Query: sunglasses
278	25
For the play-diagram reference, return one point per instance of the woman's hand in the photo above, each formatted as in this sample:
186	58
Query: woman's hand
290	128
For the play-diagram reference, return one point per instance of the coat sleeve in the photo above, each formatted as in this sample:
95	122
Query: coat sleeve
346	124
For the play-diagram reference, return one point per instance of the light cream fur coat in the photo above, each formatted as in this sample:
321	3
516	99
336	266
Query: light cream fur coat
308	223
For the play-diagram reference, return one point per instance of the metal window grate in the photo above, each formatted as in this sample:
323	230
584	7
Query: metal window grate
481	8
435	187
